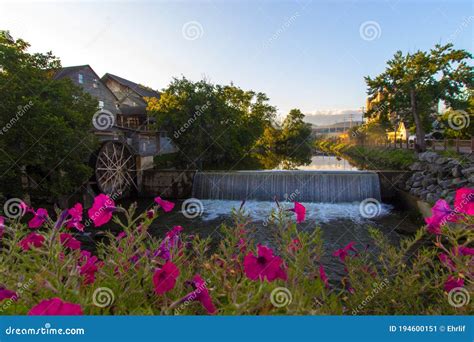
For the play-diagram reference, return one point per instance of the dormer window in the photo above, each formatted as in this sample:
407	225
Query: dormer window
80	78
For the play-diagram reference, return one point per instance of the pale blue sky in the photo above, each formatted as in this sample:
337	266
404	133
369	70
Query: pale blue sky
305	54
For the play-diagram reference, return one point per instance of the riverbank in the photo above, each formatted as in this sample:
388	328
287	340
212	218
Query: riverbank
370	158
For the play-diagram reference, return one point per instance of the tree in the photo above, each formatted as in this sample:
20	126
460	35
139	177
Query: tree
294	143
413	84
213	126
45	125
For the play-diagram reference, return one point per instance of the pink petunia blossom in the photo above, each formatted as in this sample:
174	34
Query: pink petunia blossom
170	243
2	227
440	214
446	261
464	201
342	253
55	307
264	266
164	278
461	250
120	236
67	240
166	205
102	210
294	246
323	276
300	212
452	283
76	217
7	294
88	266
30	240
200	294
150	213
40	217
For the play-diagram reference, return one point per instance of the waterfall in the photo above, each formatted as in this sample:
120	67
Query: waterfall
302	186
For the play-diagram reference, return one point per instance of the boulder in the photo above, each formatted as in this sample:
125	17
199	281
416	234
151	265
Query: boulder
428	156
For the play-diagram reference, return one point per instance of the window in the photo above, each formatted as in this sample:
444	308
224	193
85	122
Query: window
101	104
80	78
95	83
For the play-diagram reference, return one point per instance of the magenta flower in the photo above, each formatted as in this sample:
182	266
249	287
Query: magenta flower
120	236
67	240
440	214
150	213
7	294
264	266
76	217
452	283
40	217
294	246
102	210
166	205
55	307
169	243
342	253
323	276
446	261
30	240
200	294
164	278
300	212
461	250
2	227
88	266
464	201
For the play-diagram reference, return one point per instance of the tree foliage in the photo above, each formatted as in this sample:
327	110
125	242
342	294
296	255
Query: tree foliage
222	126
45	124
413	84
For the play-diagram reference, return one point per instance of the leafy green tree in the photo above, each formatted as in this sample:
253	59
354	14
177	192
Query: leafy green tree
45	138
213	126
295	143
413	84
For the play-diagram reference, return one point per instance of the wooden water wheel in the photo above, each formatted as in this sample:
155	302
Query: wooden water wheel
115	169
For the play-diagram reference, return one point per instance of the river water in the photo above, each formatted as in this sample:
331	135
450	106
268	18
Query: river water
341	223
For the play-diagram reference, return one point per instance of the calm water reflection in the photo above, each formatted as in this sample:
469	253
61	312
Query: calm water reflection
328	163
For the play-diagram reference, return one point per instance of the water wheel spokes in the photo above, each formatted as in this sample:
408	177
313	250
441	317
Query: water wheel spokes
115	168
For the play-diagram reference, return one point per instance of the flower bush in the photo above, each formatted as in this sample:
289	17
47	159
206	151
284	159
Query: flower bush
183	274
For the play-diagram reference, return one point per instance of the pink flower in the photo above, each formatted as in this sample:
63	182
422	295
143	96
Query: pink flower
201	294
40	217
121	235
452	283
323	276
88	266
7	294
446	261
2	226
461	250
342	253
171	242
76	217
30	240
55	307
150	213
294	246
102	209
300	212
264	266
67	240
464	201
440	214
166	205
164	278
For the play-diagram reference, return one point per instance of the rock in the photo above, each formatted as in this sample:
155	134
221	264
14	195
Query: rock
432	197
471	179
432	187
417	166
459	182
467	172
427	156
445	183
441	160
416	184
456	171
428	181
